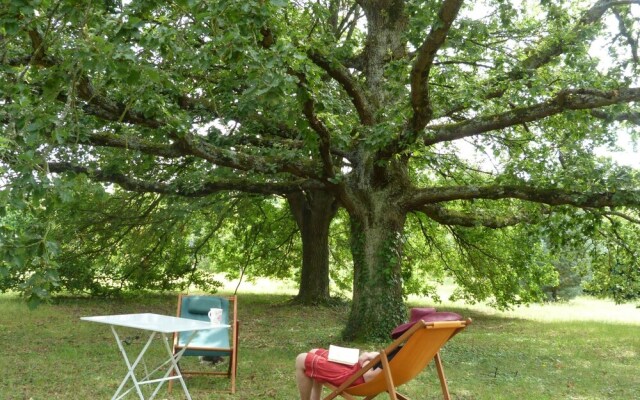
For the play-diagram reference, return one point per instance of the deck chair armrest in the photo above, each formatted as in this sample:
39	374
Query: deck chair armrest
447	324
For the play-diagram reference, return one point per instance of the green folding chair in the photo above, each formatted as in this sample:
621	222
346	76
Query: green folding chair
218	342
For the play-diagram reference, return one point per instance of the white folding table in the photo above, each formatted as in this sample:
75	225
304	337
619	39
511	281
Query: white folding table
155	323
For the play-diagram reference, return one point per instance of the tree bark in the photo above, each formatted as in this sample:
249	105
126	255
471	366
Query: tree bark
377	218
376	246
313	211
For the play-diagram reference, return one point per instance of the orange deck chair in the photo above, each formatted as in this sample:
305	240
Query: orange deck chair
419	345
214	343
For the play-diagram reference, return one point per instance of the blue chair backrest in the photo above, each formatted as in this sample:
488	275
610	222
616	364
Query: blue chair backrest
197	307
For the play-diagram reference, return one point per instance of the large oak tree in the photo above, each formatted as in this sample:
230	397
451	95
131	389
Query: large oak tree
483	118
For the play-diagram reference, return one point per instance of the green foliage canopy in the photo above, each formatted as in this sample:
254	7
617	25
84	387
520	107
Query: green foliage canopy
479	123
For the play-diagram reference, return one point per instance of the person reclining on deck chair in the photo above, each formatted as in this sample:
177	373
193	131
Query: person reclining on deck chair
313	368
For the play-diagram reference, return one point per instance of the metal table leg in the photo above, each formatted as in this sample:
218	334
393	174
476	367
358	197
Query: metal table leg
172	360
131	367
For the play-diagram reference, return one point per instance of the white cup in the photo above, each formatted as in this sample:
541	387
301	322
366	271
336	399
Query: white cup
215	315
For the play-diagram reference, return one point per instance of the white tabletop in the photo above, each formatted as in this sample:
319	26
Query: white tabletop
153	322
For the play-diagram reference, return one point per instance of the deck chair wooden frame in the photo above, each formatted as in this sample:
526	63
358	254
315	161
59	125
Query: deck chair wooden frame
203	350
419	345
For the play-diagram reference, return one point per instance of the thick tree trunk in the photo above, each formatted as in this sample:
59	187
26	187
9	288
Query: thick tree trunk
376	245
313	212
375	187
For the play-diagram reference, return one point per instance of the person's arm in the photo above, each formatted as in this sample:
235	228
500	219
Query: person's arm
364	359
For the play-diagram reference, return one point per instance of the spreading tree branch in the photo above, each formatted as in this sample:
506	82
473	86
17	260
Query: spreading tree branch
549	196
102	139
185	144
426	53
575	99
203	189
609	213
631	117
96	103
348	82
192	145
308	109
546	52
624	31
453	217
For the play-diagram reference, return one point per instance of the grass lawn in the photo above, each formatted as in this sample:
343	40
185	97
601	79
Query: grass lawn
586	349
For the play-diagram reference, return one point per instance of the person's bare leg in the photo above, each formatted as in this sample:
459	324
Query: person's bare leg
305	384
316	390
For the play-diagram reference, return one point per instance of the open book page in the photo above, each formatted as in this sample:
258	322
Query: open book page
343	355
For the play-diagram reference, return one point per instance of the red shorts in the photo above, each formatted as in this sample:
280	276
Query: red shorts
316	366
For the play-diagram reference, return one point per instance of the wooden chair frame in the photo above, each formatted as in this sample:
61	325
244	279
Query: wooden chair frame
420	344
232	351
